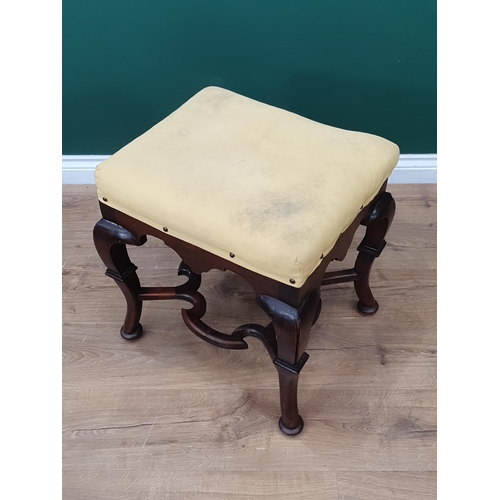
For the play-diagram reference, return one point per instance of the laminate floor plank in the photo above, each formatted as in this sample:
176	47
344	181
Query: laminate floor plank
387	485
347	430
202	485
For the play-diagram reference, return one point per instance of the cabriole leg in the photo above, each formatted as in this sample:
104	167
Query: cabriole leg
292	327
110	240
377	224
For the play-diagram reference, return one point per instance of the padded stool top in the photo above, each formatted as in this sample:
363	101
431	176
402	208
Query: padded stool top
233	175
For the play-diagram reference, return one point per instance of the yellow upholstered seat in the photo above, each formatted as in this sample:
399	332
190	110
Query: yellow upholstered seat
234	176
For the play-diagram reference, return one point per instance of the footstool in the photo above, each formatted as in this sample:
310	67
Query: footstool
231	183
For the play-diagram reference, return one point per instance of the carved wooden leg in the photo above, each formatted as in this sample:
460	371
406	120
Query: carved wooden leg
110	240
292	327
377	224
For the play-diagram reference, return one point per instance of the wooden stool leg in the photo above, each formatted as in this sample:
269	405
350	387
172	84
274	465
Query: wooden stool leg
377	224
292	327
290	422
110	240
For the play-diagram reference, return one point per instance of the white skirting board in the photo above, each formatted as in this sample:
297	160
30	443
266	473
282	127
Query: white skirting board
411	169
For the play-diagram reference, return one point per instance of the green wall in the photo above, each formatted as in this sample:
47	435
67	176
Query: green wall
366	65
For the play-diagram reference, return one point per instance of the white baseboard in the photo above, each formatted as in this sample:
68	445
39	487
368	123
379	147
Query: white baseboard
415	169
79	169
411	169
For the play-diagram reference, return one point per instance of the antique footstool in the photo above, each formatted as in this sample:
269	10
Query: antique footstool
230	183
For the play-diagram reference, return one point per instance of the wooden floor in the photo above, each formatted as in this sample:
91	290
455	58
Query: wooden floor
172	417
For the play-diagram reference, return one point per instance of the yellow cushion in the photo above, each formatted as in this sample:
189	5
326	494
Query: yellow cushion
232	175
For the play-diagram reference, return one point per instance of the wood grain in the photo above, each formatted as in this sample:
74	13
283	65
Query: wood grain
189	485
387	485
170	416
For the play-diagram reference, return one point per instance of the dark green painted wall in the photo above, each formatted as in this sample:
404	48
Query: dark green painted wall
366	65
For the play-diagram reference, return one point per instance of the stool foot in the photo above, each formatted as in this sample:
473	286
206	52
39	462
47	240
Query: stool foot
367	309
377	223
291	432
134	335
